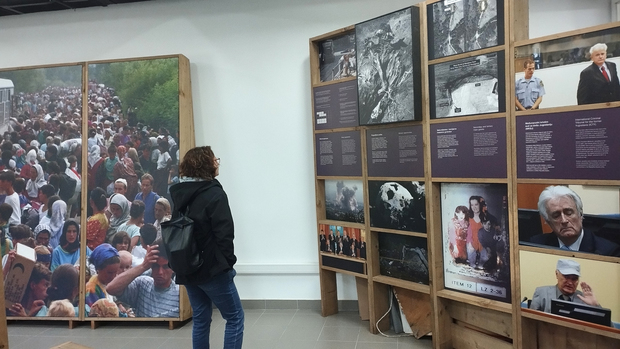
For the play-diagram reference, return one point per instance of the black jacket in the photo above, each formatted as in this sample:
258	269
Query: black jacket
594	88
213	227
590	243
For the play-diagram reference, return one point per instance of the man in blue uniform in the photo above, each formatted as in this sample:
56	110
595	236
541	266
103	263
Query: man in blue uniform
529	89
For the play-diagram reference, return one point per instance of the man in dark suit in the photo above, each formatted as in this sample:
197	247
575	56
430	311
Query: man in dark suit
598	83
562	209
567	273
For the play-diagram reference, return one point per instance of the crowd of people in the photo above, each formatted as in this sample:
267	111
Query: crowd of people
129	169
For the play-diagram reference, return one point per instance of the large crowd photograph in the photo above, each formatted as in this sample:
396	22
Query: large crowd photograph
40	185
476	243
132	111
133	156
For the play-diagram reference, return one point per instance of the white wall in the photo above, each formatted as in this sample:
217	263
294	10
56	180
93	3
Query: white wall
251	89
556	16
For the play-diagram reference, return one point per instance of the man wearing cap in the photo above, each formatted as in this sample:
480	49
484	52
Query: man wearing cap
567	272
562	209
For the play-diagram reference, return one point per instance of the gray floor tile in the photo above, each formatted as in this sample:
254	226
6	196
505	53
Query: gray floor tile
271	328
334	333
335	345
301	333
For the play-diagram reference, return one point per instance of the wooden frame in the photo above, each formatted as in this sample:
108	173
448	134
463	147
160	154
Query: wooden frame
186	141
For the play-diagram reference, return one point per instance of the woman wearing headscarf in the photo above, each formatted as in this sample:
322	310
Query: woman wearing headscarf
132	153
35	181
20	157
31	160
57	213
94	164
163	213
97	224
68	252
119	206
124	169
106	260
108	165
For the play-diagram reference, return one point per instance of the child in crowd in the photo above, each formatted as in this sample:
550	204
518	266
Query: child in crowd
61	308
121	241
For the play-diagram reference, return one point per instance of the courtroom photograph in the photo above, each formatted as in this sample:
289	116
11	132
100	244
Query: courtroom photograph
570	218
580	69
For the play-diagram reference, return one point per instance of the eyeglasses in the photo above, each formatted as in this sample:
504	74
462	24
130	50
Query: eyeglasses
217	160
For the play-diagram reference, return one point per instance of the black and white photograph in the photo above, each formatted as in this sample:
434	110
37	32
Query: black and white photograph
344	200
385	77
458	26
403	257
476	248
397	205
468	86
337	57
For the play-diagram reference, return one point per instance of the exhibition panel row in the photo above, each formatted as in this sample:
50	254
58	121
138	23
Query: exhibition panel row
435	188
89	151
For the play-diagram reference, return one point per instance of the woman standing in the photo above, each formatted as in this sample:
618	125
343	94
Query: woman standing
106	260
119	208
124	169
214	232
97	224
68	252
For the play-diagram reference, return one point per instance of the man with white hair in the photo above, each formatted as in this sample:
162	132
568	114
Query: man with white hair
567	273
598	83
562	209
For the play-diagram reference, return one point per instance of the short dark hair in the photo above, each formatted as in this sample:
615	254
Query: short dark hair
18	232
137	209
5	211
8	176
99	198
19	184
119	237
148	234
162	251
48	190
53	167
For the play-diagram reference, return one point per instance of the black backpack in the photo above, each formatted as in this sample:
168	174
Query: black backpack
184	255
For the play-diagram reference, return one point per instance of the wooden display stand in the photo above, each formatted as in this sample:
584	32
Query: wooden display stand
462	320
186	141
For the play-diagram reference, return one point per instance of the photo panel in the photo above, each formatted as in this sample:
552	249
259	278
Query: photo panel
344	200
476	242
133	139
399	205
342	241
41	127
541	287
595	231
337	58
468	86
403	257
388	58
458	26
561	72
